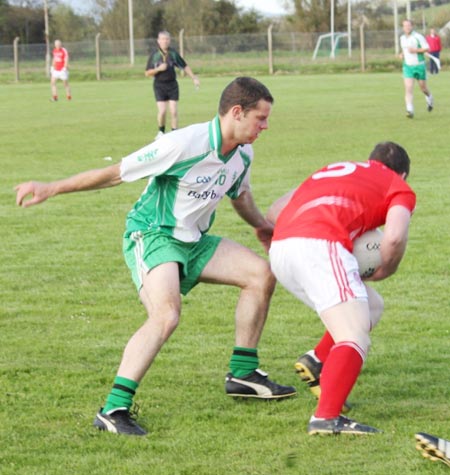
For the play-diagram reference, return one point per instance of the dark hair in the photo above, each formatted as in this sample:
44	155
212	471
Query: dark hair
392	155
245	92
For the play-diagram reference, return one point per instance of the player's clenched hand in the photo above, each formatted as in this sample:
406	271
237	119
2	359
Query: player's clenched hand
39	191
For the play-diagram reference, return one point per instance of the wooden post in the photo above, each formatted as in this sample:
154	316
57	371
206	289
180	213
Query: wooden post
131	31
362	46
396	41
47	40
181	46
97	57
269	42
16	57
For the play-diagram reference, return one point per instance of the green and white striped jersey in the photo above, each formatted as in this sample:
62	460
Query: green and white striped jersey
414	40
188	176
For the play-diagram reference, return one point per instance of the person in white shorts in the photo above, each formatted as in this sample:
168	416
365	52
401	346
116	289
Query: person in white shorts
60	70
311	256
167	246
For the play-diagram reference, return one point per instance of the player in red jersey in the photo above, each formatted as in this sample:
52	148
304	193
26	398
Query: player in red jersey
60	70
311	255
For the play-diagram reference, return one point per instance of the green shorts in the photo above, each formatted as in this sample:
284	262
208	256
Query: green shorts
144	250
418	72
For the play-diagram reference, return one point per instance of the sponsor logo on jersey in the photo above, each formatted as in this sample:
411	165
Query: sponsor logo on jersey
203	179
204	195
148	156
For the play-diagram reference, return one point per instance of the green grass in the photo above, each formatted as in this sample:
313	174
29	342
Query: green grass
69	307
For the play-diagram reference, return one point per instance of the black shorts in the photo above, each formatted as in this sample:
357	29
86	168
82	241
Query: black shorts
166	91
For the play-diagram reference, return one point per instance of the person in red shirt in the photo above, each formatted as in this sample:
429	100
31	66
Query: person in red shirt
311	256
434	42
60	70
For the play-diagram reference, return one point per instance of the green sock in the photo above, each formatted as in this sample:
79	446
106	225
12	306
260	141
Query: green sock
121	395
243	361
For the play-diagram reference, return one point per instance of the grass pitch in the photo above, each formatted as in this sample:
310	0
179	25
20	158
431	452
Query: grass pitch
69	307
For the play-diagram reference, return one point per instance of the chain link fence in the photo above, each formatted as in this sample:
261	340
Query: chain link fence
271	53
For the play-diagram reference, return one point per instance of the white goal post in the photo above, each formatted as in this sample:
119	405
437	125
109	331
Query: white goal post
335	37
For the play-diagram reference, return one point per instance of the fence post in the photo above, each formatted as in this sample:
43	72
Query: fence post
269	43
47	41
181	46
131	32
362	46
16	57
97	57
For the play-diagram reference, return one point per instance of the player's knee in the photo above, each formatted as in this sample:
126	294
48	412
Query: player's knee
356	336
376	306
364	343
167	317
261	277
361	343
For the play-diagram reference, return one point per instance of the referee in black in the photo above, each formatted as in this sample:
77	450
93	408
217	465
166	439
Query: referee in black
161	66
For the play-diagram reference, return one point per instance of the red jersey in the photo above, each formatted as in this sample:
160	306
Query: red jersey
60	58
434	42
342	201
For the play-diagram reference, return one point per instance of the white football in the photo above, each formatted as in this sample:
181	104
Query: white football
366	249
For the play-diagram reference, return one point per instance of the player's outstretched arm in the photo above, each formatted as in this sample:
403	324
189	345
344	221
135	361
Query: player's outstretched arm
90	180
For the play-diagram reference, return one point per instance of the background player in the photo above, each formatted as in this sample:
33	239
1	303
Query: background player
60	70
414	47
311	256
435	44
161	66
167	247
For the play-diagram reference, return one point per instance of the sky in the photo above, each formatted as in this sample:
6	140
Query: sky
265	7
268	7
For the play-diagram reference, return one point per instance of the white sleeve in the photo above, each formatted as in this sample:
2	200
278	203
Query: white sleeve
424	42
152	160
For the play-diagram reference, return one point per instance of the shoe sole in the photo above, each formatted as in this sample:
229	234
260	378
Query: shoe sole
343	432
313	384
430	451
305	375
263	396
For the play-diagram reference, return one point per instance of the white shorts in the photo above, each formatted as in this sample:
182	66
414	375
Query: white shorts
63	74
320	273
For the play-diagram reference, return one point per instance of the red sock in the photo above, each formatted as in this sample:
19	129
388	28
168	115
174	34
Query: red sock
324	346
339	374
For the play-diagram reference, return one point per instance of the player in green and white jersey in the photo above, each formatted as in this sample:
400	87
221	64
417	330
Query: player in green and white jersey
168	249
414	46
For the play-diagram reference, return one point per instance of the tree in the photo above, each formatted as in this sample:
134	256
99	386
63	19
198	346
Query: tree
25	22
196	17
67	25
314	16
